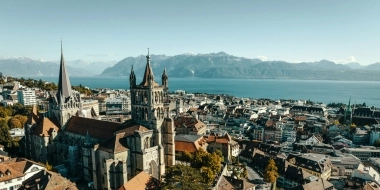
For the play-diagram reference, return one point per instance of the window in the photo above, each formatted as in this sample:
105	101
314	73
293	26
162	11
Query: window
19	179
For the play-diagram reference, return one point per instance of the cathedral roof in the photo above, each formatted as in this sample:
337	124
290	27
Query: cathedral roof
98	129
64	87
114	144
46	126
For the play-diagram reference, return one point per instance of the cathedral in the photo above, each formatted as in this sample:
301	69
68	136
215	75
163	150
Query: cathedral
103	153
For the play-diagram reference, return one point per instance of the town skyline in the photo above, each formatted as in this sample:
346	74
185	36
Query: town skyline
290	31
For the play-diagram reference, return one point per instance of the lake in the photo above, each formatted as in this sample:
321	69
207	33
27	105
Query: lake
315	90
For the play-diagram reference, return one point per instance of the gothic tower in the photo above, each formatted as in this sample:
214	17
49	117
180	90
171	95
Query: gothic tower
64	103
148	108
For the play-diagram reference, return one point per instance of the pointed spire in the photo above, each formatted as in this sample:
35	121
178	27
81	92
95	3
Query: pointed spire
132	78
64	86
148	74
164	78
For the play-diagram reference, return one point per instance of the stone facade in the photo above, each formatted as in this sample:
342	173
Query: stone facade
105	153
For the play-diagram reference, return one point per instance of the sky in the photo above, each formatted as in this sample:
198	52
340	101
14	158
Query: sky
303	30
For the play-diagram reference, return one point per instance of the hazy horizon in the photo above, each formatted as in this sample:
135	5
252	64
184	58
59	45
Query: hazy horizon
289	30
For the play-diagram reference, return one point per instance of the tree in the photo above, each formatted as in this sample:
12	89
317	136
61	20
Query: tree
5	112
14	123
5	136
198	158
48	166
183	177
219	153
187	156
271	173
336	122
19	109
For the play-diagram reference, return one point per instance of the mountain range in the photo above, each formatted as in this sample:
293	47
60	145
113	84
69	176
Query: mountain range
222	65
22	66
212	65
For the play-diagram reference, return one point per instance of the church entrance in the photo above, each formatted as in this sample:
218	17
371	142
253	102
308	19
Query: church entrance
153	169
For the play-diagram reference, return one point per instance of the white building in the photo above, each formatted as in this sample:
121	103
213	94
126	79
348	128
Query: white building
27	97
16	171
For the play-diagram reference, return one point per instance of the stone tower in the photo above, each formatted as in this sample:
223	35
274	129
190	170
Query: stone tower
64	103
149	105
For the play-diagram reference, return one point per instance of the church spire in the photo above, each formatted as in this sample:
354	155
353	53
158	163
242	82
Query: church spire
148	74
164	78
64	87
132	78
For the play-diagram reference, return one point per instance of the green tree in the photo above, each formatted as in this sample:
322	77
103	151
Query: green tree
19	109
271	173
198	158
187	156
183	177
5	137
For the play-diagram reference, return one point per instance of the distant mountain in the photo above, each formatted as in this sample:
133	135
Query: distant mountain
28	67
222	65
355	65
375	66
93	68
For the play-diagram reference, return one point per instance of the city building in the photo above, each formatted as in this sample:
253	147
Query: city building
316	164
363	153
15	171
26	97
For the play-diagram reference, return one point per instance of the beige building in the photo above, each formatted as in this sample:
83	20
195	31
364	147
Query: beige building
106	154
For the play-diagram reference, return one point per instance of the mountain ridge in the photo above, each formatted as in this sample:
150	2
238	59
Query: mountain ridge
211	65
223	65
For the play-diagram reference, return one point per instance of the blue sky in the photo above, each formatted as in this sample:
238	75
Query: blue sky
340	30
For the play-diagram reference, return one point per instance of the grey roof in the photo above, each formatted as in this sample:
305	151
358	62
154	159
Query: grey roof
187	138
64	87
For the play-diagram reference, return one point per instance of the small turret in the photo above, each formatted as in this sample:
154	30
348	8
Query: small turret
164	79
132	78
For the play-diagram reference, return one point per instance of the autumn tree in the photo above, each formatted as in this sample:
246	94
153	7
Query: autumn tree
210	164
48	166
271	173
5	112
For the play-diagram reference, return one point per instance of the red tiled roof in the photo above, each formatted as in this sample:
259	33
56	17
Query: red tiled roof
96	128
114	144
46	126
140	182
